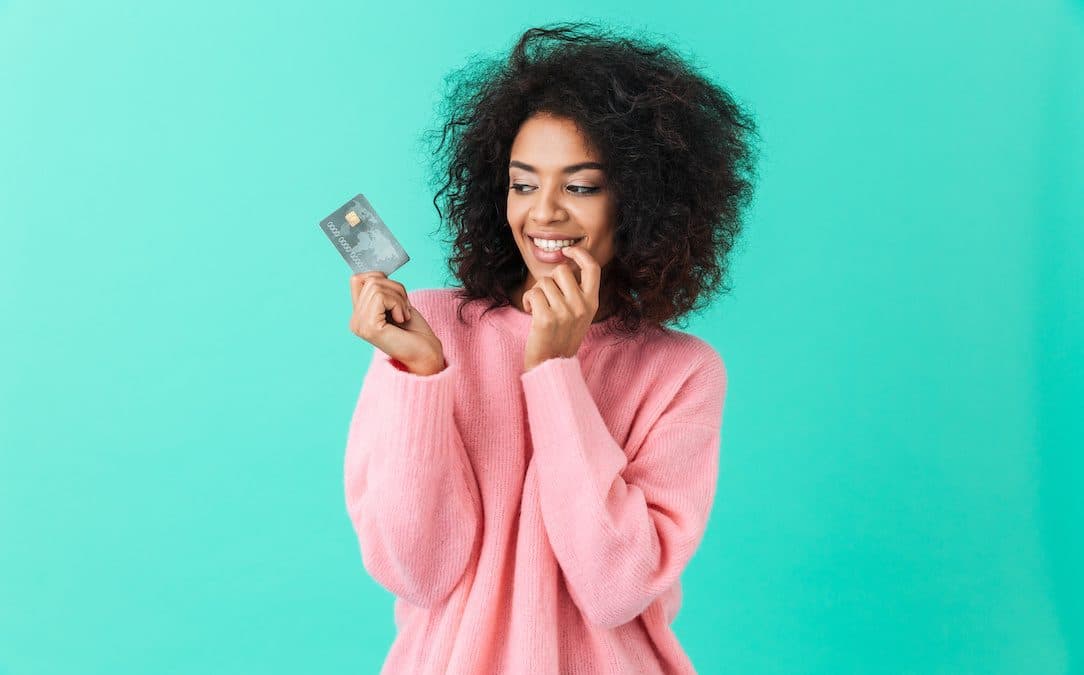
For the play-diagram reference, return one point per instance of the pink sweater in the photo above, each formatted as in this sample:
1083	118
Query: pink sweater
539	521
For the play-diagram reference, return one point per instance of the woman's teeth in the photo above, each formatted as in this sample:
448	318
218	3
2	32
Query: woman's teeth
554	244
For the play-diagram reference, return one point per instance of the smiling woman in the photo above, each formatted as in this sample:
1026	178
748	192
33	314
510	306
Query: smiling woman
534	474
582	129
560	198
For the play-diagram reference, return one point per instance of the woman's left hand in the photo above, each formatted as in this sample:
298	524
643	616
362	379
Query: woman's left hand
561	309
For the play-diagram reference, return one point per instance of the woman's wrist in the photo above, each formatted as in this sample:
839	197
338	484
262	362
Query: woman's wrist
430	367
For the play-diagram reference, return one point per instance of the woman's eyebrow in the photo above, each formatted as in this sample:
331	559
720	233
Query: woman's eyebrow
568	169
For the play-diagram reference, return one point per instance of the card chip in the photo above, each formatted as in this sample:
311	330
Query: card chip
352	218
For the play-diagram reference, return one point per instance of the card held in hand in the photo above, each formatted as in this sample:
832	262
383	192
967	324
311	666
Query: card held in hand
362	238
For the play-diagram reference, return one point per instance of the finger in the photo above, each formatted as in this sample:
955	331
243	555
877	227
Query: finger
359	280
565	278
401	291
590	272
367	286
382	284
356	283
371	307
361	297
399	298
554	296
376	301
526	298
535	299
395	301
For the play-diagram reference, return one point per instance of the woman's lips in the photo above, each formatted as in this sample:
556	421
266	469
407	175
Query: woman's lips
551	256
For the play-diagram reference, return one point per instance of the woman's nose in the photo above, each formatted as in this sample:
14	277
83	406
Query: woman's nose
546	206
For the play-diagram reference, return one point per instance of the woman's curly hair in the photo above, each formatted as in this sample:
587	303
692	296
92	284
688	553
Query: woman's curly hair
677	148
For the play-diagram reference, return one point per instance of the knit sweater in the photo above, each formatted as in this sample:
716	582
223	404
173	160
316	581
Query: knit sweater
539	521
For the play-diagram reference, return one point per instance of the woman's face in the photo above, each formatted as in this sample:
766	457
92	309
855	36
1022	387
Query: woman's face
550	196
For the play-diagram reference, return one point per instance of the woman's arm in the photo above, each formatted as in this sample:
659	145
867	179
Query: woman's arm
623	531
411	492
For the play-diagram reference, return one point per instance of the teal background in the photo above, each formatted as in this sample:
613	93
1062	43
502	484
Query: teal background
901	478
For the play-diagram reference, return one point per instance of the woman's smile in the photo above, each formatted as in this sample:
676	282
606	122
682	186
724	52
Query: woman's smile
552	254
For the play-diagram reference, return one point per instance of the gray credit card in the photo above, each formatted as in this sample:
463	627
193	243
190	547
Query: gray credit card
362	238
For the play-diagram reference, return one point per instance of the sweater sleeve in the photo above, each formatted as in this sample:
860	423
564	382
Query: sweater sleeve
623	531
410	489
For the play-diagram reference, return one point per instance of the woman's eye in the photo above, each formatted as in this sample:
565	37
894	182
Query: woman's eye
577	189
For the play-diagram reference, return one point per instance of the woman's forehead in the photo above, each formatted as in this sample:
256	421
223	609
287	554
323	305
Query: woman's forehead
556	139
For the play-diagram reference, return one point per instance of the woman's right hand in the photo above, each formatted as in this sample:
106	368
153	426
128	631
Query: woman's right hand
409	339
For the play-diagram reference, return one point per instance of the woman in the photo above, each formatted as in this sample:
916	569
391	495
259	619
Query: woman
533	456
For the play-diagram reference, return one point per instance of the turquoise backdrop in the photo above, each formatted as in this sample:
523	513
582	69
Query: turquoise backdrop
902	470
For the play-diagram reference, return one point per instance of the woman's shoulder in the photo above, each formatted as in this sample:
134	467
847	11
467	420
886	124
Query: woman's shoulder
672	346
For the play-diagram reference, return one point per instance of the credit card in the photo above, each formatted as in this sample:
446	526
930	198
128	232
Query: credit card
365	242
